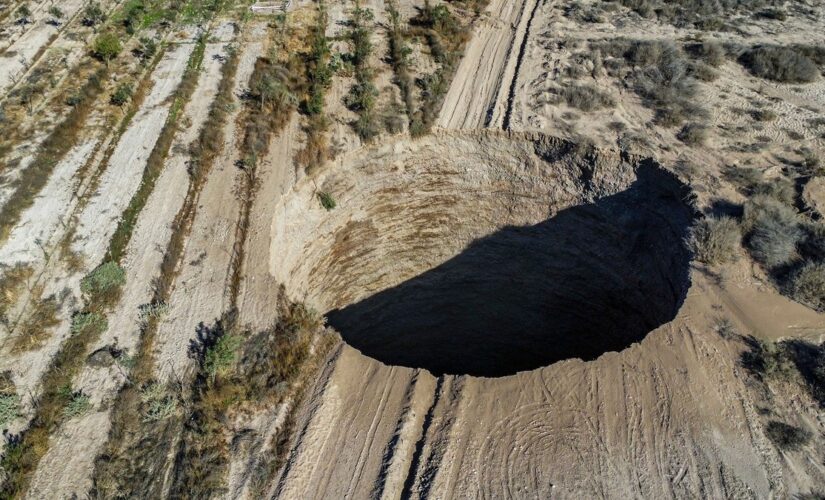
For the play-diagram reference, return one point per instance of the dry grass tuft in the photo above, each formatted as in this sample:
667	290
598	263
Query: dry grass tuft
715	240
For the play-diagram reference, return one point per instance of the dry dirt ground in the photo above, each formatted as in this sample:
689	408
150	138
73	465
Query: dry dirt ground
519	314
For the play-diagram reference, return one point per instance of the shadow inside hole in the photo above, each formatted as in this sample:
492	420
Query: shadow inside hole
594	278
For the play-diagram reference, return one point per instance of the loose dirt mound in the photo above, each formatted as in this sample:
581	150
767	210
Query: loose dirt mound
485	253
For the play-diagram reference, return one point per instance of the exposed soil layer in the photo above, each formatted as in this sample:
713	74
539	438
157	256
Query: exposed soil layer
588	259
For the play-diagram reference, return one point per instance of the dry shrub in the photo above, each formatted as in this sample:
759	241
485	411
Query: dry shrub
316	149
11	284
763	115
782	64
715	240
712	53
787	437
587	98
693	134
806	285
661	76
773	231
37	327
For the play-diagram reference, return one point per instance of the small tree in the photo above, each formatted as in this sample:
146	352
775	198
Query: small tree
122	94
93	15
24	12
107	46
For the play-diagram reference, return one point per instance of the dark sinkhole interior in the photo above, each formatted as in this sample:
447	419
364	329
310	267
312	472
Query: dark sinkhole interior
594	278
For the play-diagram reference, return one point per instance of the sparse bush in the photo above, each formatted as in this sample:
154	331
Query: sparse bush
693	134
661	77
773	231
725	329
702	72
104	279
147	312
326	200
782	64
773	13
55	12
157	402
768	360
77	406
780	189
9	408
106	47
88	322
806	285
587	98
787	437
744	178
715	240
122	94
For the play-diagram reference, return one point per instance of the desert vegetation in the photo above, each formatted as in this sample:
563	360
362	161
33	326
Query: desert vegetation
363	94
318	72
795	64
659	72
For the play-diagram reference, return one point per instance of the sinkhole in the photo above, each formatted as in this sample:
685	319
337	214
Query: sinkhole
487	254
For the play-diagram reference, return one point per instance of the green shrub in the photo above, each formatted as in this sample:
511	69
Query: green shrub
77	406
23	12
327	201
220	357
157	402
782	64
122	94
106	47
55	12
147	312
715	240
9	408
806	285
88	322
787	437
146	50
105	278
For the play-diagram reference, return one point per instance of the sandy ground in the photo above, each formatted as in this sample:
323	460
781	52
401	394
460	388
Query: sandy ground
669	417
68	465
48	214
479	94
